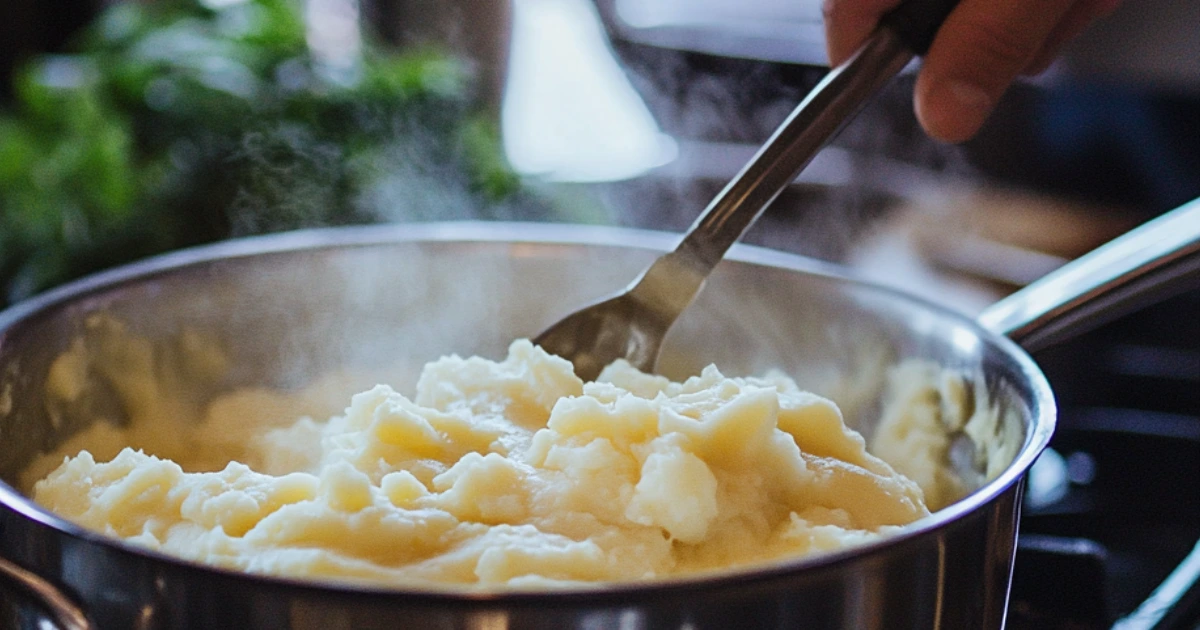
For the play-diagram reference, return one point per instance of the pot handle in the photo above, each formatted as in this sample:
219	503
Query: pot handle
65	614
1150	263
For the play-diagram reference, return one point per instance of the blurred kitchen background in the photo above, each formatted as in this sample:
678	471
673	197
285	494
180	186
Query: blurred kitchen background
132	128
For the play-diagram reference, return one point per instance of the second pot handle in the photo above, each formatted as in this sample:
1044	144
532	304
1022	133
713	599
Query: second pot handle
64	612
1150	263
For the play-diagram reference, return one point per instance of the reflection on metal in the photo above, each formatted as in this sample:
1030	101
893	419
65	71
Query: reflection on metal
497	620
65	614
940	600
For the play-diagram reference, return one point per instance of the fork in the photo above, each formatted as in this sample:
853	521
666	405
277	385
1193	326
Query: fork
631	324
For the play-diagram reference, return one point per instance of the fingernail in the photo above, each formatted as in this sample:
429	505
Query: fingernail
953	110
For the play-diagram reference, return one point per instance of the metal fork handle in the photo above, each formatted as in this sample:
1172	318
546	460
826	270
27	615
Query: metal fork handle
839	95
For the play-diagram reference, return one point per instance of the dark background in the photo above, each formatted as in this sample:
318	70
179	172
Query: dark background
31	26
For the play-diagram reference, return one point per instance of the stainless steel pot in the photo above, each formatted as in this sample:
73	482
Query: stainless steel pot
292	306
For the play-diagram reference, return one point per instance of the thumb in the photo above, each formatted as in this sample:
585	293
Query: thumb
979	50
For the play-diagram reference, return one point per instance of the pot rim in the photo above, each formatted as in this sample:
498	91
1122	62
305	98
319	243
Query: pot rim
1041	425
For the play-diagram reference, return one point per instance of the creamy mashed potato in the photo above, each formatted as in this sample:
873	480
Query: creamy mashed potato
507	474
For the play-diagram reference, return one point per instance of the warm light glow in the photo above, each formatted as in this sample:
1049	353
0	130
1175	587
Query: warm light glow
570	113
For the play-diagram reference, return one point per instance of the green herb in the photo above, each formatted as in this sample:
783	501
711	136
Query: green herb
178	122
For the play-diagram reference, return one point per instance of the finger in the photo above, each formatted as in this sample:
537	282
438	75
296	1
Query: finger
980	49
849	22
1080	15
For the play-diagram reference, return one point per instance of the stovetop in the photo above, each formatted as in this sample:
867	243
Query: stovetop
1118	509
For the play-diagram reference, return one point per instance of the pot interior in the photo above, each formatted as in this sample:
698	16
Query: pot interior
282	311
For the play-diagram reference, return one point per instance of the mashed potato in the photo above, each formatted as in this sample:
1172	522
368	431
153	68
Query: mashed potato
509	474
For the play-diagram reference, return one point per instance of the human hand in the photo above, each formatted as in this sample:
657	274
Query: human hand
981	48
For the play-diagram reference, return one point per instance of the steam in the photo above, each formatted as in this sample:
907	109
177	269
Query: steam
291	172
658	137
720	110
717	118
